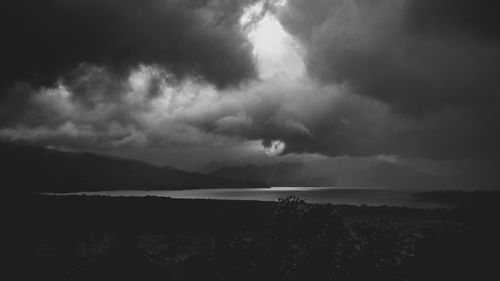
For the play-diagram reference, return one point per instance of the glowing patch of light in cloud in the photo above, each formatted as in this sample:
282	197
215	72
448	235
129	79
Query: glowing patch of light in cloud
275	148
276	52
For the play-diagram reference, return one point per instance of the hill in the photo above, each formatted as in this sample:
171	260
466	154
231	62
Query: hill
37	169
324	173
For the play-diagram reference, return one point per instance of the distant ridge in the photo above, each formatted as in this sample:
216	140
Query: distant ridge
378	174
211	167
28	168
280	174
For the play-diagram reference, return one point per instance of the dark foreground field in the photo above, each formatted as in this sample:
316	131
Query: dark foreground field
104	238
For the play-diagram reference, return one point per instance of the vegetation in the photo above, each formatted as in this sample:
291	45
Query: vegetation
97	238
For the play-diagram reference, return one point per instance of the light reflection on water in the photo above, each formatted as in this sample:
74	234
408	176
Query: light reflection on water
336	195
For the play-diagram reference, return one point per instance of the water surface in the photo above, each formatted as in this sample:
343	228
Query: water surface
336	195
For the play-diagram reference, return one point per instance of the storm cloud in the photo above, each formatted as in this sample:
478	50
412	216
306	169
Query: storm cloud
353	78
434	63
148	109
44	40
416	56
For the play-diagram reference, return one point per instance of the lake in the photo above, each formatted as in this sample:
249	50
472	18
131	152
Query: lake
336	195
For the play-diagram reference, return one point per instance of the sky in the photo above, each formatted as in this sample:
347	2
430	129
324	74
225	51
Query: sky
187	82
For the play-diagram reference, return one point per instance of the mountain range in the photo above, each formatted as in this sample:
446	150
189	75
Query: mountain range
329	173
27	168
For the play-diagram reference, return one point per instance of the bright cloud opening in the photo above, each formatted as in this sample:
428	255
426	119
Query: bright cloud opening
275	148
277	53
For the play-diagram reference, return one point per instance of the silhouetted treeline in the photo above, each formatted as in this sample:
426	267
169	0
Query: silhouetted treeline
100	238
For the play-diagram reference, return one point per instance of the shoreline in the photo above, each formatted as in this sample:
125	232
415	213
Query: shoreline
357	196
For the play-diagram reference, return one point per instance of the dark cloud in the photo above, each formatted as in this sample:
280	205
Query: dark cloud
477	19
417	56
94	110
383	80
434	64
44	40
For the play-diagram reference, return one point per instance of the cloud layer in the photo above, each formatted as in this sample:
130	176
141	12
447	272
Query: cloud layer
383	77
435	63
417	56
43	40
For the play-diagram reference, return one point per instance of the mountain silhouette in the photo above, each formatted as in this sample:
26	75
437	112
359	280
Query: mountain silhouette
27	168
280	174
322	173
